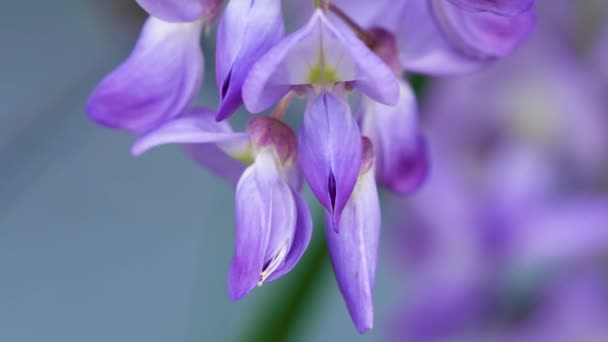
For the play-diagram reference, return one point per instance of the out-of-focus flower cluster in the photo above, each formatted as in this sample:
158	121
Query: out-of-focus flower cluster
508	241
343	47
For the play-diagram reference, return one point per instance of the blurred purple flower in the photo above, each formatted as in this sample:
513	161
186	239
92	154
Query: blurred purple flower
479	243
400	148
542	99
511	215
505	7
600	53
573	306
448	36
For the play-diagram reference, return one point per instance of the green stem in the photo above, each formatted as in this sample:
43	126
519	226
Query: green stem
419	83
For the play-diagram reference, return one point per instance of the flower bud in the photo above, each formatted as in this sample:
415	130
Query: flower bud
269	132
385	47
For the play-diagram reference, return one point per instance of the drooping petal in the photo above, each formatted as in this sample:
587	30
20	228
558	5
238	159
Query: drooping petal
303	233
401	156
213	159
199	127
482	35
354	250
330	151
200	135
180	10
318	53
156	83
257	194
504	7
273	226
246	31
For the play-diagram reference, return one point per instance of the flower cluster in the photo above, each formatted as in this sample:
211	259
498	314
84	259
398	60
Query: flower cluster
345	47
516	251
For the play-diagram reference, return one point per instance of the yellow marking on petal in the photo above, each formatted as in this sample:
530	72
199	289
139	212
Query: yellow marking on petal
245	158
321	74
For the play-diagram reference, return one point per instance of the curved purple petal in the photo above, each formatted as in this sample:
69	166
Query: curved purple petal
196	128
482	35
303	233
504	7
199	134
354	250
318	52
212	158
401	154
156	83
246	31
180	10
423	47
330	151
258	192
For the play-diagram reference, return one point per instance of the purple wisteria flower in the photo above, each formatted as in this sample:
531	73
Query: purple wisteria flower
439	37
343	48
272	220
507	241
600	51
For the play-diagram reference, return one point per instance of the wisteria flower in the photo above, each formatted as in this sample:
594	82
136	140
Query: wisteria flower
440	37
273	224
343	48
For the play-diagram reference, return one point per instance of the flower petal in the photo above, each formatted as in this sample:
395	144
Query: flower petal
482	35
303	233
156	83
401	156
212	158
330	151
504	7
200	133
354	250
180	10
318	52
197	128
246	31
422	45
265	217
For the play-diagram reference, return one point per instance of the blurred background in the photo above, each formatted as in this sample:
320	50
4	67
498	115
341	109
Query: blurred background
508	240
